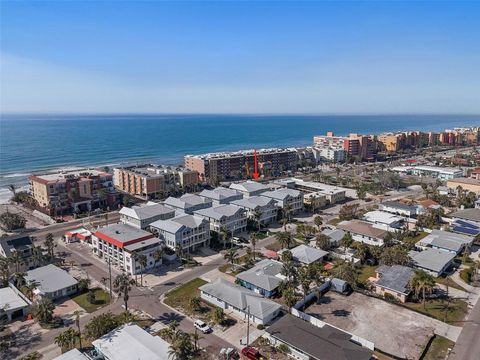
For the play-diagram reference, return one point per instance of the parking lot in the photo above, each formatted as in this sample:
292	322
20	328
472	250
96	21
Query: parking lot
393	329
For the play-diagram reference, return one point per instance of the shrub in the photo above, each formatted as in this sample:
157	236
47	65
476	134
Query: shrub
389	297
466	275
10	221
260	326
283	349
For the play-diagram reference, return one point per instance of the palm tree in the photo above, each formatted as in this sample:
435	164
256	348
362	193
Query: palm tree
195	304
257	217
231	255
322	241
305	282
66	340
422	282
287	209
4	271
346	241
37	256
218	315
18	279
157	255
77	322
16	258
43	310
289	270
142	260
123	284
253	241
196	337
285	239
29	290
50	245
181	348
289	296
224	235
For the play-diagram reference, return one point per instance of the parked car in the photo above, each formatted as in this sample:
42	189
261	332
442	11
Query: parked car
251	353
240	241
202	326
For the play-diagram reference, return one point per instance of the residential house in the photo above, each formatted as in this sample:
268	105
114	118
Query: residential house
445	241
364	232
189	232
13	304
433	261
333	194
21	244
286	197
73	354
264	278
221	195
240	301
52	282
249	188
396	207
131	342
309	342
265	206
393	280
470	215
307	255
231	217
142	216
334	235
121	244
188	203
384	220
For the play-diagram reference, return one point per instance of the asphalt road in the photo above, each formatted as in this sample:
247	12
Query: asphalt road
141	298
467	346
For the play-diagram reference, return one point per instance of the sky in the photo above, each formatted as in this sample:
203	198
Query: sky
239	57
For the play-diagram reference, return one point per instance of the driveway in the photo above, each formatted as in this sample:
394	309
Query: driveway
382	323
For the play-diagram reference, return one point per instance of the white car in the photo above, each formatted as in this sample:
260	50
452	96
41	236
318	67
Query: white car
200	325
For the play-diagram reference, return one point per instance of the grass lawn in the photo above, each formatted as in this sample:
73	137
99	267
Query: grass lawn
450	282
102	298
334	221
261	235
180	297
365	272
438	349
436	308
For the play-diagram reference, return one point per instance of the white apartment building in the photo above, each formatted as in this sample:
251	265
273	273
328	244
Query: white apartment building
332	154
120	243
190	232
232	217
266	206
142	216
284	197
442	173
188	203
221	195
249	188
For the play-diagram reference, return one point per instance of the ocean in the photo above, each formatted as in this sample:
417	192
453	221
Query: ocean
37	143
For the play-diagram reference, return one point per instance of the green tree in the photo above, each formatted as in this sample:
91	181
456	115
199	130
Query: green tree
18	279
224	235
66	340
195	304
346	241
123	285
347	272
182	348
322	241
394	255
285	239
423	283
91	298
142	261
289	296
11	221
43	311
32	356
318	222
100	325
16	258
50	246
29	290
219	316
231	255
305	280
4	271
157	255
37	256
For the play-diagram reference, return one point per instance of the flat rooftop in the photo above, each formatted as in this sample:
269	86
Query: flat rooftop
325	343
65	175
241	153
122	233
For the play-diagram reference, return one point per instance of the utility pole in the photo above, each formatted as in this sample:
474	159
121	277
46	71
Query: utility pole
248	324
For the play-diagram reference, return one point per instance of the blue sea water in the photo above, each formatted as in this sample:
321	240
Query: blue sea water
35	143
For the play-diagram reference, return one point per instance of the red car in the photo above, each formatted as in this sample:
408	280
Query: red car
251	353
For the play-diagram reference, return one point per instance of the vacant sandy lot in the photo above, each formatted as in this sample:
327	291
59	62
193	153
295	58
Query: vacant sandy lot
391	328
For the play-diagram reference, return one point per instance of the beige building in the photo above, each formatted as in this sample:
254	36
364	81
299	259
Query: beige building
152	181
467	184
74	190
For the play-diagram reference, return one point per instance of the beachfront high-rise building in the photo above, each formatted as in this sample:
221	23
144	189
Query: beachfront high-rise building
357	147
154	181
73	191
214	167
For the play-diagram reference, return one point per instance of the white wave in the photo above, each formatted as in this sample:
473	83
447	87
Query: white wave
16	175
